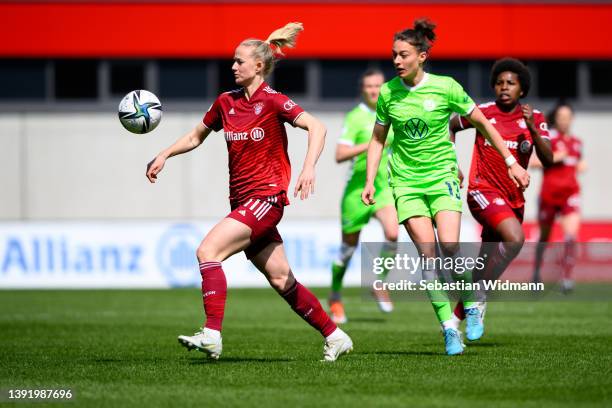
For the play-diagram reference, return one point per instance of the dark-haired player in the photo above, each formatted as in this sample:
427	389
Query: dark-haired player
423	163
253	118
560	193
494	199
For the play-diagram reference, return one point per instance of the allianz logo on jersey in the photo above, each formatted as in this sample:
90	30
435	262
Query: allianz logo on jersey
256	134
524	146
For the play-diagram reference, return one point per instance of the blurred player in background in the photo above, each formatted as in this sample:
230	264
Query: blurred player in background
352	145
253	118
423	165
495	200
560	193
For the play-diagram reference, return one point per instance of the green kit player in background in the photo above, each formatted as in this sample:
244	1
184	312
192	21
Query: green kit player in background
352	145
423	165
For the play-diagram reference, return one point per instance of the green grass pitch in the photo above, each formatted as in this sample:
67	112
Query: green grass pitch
119	348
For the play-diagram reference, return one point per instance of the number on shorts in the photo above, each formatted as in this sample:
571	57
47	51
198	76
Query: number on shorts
453	192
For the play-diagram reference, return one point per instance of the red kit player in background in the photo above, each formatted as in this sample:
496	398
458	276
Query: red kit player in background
560	193
494	199
252	118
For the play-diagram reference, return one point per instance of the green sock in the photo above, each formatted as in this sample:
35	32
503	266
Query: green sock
337	276
468	297
442	310
384	254
439	298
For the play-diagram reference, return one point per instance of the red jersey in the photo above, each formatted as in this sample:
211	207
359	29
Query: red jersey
560	178
489	171
256	141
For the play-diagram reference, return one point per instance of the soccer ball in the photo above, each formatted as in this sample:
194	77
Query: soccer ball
140	111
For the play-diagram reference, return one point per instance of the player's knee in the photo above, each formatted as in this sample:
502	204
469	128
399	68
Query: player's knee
281	282
391	236
449	248
516	237
206	253
514	243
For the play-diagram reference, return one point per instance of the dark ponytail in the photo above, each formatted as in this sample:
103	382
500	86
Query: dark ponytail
421	36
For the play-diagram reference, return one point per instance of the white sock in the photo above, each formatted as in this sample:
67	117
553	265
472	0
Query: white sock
456	321
336	334
215	334
448	324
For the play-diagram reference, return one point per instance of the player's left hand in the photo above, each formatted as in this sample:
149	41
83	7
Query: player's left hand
528	116
305	183
519	175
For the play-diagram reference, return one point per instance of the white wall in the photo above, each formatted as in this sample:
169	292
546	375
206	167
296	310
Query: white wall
86	166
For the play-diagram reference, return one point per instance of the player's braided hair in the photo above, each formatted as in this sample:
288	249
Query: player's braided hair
271	49
512	65
421	36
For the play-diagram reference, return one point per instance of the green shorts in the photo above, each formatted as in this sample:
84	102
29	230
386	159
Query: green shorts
427	198
355	214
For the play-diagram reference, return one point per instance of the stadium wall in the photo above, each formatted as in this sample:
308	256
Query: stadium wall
87	167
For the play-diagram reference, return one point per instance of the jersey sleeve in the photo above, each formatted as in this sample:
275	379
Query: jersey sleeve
348	136
213	119
541	125
458	100
464	123
382	111
287	110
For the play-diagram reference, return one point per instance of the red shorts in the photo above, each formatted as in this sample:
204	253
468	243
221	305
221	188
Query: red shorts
489	209
261	216
550	208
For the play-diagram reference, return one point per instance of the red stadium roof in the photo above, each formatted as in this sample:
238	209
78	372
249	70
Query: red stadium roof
332	29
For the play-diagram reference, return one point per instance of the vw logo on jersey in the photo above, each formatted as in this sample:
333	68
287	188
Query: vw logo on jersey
257	134
176	255
429	105
525	146
416	128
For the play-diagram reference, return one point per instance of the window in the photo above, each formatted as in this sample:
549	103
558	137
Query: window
290	77
225	77
557	79
76	79
22	79
458	70
340	79
126	76
183	79
600	83
484	83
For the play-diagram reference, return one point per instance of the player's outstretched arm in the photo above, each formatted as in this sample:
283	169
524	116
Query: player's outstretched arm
375	149
185	144
518	174
316	140
345	152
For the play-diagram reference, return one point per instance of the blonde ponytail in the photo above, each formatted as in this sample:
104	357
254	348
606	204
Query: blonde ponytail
269	50
284	37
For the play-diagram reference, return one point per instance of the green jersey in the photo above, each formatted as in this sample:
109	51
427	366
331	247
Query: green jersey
358	126
419	116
